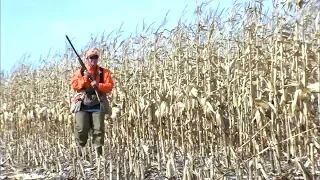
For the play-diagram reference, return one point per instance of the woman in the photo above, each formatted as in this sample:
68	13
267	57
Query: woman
89	112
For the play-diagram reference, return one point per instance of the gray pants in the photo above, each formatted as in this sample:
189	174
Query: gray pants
86	121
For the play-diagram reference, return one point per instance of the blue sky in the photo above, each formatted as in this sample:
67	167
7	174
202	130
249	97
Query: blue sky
35	26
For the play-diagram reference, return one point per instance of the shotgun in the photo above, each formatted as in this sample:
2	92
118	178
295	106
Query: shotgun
84	67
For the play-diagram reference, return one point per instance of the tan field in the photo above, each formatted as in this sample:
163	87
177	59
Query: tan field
230	96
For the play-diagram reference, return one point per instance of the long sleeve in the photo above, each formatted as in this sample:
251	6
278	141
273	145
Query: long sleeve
77	81
107	85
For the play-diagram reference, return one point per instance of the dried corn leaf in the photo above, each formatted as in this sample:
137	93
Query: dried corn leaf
261	103
295	100
314	88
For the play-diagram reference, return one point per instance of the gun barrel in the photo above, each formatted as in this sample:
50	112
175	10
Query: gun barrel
82	65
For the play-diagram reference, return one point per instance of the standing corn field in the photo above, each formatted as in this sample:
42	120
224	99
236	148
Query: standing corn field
230	96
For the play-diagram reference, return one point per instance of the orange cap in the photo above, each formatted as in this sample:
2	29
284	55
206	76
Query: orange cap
92	52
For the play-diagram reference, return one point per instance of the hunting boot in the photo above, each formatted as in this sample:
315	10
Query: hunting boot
82	153
80	150
98	152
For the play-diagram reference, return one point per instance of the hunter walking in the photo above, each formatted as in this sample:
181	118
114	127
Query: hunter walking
89	111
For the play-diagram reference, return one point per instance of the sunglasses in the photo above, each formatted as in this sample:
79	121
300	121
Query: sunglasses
94	57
